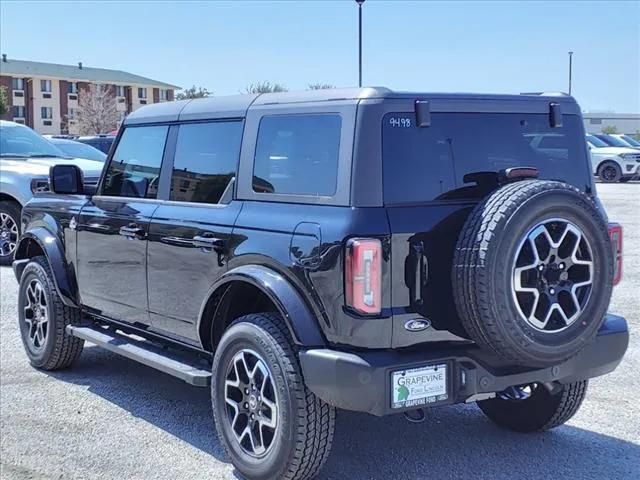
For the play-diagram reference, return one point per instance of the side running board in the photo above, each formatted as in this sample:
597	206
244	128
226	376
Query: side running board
190	370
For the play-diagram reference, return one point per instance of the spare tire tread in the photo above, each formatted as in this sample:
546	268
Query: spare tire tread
472	280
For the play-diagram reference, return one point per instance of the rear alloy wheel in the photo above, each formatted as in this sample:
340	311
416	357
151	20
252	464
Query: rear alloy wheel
270	424
9	231
533	408
610	173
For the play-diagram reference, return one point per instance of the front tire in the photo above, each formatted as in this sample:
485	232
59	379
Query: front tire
9	230
541	411
43	319
610	172
270	424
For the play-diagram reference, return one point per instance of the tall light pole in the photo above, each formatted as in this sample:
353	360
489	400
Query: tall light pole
360	2
570	70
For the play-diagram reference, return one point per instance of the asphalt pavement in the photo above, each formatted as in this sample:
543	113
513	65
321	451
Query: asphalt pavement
110	418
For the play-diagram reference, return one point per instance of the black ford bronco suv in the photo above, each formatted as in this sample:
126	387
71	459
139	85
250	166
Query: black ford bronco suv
362	249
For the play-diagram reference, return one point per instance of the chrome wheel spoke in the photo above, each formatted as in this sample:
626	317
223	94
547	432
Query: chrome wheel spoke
35	314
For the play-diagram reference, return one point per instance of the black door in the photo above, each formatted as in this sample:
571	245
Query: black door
113	228
191	234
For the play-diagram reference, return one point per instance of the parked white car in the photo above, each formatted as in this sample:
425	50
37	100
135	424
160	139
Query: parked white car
25	159
628	139
613	164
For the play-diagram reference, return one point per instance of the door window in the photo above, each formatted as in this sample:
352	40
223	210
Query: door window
134	170
205	161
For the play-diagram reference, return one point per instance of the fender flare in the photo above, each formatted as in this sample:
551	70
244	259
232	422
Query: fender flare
298	316
63	277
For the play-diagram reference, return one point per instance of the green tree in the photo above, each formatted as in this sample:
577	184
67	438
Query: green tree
193	92
609	129
637	134
4	102
265	87
320	86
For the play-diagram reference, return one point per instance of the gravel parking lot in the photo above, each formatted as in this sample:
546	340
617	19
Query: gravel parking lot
110	418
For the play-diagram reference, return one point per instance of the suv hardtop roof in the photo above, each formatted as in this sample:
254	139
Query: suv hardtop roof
236	106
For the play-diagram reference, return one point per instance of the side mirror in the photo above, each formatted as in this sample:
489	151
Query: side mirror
66	179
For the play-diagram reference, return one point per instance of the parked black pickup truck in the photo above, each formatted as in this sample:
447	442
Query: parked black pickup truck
362	249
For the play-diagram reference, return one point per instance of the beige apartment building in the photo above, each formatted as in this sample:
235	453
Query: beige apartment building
45	96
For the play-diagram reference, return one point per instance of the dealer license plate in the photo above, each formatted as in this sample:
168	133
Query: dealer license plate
418	386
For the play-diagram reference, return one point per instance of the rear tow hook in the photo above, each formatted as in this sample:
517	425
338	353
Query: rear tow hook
415	416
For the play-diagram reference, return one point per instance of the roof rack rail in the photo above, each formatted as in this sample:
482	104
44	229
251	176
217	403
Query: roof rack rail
547	94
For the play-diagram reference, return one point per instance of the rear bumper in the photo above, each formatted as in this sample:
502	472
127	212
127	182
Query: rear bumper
361	381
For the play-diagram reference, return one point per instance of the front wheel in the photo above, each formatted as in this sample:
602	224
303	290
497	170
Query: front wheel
610	172
9	230
532	408
270	424
43	319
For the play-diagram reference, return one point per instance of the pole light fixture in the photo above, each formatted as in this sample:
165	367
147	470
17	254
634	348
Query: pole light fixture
570	70
360	2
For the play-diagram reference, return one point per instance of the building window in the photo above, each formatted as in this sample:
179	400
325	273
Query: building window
119	91
17	83
72	113
142	92
73	87
595	121
18	112
46	112
164	95
45	85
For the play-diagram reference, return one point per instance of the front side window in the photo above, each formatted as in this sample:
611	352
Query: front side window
45	85
134	170
205	161
46	112
297	154
17	83
142	93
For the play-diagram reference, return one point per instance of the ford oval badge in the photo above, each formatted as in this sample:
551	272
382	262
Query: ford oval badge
417	325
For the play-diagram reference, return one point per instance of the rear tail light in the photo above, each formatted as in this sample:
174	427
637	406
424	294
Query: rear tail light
615	234
363	264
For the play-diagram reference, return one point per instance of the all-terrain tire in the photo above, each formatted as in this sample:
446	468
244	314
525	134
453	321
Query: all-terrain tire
9	210
303	438
484	263
59	349
542	411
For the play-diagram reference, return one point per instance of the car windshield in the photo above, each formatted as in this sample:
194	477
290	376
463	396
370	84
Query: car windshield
613	141
19	141
596	142
81	150
631	141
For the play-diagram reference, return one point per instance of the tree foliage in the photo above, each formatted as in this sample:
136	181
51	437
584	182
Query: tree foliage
4	102
265	87
609	129
193	92
320	86
97	112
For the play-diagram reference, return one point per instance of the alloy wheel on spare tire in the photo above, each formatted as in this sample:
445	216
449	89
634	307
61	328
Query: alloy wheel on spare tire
533	272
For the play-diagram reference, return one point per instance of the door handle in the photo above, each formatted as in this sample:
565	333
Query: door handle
208	242
132	231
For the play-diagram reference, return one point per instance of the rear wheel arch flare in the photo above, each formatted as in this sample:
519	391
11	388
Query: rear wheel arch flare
268	291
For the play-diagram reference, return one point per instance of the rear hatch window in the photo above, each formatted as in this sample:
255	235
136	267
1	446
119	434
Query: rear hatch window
461	153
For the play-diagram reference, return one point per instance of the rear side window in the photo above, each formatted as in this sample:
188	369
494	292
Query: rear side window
297	154
134	169
205	161
459	151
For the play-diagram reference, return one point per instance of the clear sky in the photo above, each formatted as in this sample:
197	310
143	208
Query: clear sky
505	47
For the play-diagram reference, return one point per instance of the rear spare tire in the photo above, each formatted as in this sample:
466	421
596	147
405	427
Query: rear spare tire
533	272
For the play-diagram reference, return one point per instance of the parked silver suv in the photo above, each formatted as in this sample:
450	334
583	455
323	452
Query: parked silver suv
25	158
